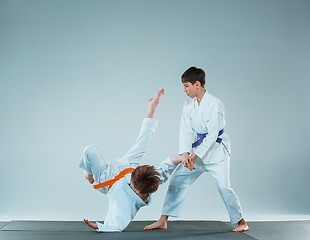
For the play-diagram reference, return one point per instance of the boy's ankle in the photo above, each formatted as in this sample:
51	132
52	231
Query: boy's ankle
163	219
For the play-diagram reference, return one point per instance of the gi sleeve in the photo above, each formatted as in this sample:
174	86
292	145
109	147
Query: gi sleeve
186	132
213	125
102	228
115	221
165	170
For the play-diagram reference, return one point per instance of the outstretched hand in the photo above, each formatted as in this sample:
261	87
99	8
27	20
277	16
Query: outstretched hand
90	224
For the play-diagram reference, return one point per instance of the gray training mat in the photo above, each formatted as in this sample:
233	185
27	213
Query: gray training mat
196	235
184	225
50	226
2	224
35	230
281	230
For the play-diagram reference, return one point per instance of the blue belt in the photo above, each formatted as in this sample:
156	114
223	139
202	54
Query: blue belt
202	136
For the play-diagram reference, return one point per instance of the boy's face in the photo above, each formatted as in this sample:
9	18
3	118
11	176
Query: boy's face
190	89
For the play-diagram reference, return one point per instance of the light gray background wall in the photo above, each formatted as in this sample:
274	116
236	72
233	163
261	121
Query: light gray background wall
75	73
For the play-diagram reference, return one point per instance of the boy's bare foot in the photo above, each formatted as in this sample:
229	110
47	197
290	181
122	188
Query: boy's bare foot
90	178
90	224
242	226
160	224
156	225
153	102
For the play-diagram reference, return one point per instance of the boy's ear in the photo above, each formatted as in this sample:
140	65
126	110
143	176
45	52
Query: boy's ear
197	84
136	190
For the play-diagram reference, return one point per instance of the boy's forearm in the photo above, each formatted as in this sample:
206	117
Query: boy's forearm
90	224
176	160
166	168
185	154
94	225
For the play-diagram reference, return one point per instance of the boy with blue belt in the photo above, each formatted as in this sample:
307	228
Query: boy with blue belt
205	147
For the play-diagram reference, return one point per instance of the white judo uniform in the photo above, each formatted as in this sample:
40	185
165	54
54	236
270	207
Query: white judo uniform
124	203
206	118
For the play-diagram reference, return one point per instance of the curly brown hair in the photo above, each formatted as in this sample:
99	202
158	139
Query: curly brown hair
145	179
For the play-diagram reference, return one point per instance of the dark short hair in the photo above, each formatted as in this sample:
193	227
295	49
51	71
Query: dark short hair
145	179
194	74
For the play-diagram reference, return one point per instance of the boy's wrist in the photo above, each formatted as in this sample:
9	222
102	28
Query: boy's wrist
176	160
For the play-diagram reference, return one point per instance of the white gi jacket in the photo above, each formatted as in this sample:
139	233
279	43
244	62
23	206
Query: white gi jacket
206	118
124	203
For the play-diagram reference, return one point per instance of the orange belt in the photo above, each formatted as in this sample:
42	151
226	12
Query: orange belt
116	178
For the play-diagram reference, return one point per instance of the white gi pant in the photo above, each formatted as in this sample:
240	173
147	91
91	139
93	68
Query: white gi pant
94	164
182	178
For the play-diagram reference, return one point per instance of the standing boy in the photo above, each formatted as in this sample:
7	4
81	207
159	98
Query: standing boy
203	142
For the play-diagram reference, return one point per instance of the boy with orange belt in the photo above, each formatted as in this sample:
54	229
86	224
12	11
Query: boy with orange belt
127	185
